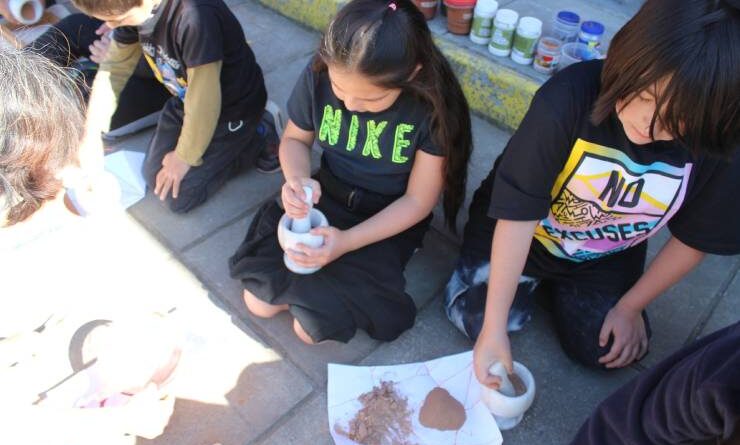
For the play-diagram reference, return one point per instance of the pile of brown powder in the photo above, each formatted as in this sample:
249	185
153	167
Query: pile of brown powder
441	411
385	418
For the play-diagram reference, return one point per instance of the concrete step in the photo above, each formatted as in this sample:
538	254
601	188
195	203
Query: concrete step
497	89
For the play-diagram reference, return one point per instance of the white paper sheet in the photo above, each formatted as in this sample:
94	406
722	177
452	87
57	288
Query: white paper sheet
414	381
126	167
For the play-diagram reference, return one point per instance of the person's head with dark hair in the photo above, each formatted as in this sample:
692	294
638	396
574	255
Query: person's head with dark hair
41	125
673	73
376	49
117	13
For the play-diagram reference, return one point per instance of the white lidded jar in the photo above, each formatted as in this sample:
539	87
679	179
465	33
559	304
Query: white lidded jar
502	35
527	34
483	15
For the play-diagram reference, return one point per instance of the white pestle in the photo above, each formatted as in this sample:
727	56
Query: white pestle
506	388
303	225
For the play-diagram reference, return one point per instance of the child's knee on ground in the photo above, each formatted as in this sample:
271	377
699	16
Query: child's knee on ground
261	309
301	333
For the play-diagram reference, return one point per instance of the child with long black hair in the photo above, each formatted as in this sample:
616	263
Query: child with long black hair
391	117
608	153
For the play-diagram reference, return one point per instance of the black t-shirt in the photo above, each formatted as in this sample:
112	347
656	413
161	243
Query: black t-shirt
596	193
374	151
189	33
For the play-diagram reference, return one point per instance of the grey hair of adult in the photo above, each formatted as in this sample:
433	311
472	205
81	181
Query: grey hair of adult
41	125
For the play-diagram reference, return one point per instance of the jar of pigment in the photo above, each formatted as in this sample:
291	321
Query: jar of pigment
548	55
427	7
502	35
565	26
591	33
527	33
459	15
485	11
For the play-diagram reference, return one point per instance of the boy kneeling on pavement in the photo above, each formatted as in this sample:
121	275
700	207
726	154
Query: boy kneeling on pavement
215	125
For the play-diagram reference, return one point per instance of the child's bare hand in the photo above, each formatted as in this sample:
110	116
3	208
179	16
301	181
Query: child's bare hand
170	176
335	245
492	346
627	328
99	48
293	196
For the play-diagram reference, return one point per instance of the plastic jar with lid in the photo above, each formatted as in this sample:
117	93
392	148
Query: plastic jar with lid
502	35
427	7
483	14
591	33
565	26
527	33
548	55
459	15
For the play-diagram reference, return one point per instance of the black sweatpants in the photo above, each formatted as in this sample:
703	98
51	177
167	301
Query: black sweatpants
69	40
235	146
692	396
582	293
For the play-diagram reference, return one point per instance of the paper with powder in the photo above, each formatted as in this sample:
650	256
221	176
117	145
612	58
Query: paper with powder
414	381
126	167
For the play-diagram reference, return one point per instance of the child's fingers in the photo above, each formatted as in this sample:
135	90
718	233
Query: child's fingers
158	182
301	259
616	350
175	188
102	29
166	186
606	329
625	358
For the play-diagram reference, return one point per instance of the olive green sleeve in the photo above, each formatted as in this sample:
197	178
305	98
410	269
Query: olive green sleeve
112	76
202	110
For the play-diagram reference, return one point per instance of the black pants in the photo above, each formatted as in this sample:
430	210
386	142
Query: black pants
581	294
70	39
692	396
234	147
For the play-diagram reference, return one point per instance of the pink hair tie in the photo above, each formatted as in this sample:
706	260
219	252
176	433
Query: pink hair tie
392	5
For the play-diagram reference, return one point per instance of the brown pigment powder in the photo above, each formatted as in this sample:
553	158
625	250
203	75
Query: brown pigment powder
441	411
385	418
518	384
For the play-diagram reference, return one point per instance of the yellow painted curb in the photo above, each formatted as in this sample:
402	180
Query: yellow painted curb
315	14
494	91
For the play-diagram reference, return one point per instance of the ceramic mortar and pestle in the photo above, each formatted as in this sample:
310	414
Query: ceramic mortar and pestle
512	399
291	232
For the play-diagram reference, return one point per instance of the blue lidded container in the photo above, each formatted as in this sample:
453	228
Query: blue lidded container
591	33
565	26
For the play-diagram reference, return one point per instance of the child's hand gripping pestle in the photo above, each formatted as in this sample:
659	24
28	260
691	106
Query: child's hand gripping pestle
303	225
506	387
292	232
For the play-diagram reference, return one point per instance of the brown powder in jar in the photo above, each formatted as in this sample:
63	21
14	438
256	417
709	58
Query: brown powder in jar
384	419
441	411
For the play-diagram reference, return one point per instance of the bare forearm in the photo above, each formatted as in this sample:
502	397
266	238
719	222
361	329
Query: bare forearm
394	219
509	250
672	263
295	158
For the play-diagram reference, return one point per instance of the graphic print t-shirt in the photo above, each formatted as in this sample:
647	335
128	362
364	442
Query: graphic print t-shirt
596	193
374	151
189	33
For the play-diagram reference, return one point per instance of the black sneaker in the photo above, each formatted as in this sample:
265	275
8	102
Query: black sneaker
271	128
